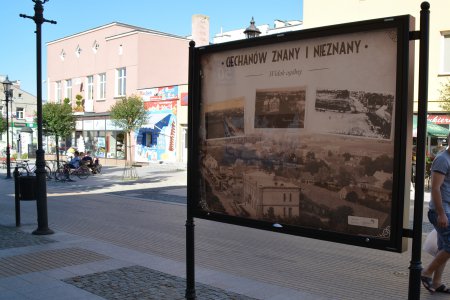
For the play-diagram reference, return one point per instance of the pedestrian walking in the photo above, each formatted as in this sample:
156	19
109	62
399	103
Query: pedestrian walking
439	215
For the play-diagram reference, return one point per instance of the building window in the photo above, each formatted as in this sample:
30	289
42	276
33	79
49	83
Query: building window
62	55
69	89
90	88
102	86
78	51
121	82
58	92
95	46
445	66
19	113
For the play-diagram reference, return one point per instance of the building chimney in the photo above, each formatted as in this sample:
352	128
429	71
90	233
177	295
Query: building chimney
200	30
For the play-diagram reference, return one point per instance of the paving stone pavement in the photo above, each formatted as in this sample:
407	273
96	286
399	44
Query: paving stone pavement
150	262
14	237
137	282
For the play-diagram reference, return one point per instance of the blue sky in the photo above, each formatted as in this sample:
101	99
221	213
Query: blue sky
18	49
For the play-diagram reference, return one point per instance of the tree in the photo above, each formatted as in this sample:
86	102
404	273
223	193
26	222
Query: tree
58	120
128	114
445	96
2	124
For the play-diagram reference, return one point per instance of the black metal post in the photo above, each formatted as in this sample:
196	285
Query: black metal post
416	264
190	241
16	195
8	152
11	123
41	201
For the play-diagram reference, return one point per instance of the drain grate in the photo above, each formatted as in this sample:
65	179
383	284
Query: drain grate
46	260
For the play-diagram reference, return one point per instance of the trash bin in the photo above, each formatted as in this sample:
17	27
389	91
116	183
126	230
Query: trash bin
27	188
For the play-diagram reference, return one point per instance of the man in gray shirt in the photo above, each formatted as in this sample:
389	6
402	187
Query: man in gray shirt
439	216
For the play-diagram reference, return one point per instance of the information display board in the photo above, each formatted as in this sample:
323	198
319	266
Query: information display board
305	132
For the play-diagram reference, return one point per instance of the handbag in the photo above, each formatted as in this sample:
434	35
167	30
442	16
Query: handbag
430	245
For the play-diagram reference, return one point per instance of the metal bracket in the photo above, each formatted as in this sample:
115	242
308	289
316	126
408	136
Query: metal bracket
406	232
414	35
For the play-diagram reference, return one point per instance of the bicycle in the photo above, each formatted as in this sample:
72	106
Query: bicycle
64	172
25	169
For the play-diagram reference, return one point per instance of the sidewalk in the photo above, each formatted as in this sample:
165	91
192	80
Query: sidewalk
110	261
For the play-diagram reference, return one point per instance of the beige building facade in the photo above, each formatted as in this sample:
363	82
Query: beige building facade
22	127
331	12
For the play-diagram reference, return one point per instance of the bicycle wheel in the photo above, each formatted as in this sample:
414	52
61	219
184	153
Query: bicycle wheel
98	168
23	171
83	172
48	173
62	174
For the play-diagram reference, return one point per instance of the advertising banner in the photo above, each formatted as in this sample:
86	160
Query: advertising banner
301	133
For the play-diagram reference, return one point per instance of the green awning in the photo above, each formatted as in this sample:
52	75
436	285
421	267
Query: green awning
433	130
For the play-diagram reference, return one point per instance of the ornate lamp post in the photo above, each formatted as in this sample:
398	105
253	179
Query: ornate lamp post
252	31
41	200
8	97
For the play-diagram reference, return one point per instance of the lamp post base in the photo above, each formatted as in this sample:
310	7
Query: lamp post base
43	231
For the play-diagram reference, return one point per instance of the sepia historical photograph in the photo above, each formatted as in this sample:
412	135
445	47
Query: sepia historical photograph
356	113
280	108
225	119
334	183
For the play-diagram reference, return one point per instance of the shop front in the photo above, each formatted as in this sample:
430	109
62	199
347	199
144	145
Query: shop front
156	140
101	137
23	142
437	133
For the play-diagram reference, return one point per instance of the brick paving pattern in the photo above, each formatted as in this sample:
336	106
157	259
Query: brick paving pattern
141	283
46	260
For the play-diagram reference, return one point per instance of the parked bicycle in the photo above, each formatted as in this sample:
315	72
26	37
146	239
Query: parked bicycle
64	172
25	169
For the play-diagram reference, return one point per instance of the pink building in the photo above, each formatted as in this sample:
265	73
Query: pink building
117	60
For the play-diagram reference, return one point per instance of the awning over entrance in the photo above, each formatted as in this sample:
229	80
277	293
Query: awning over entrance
433	130
157	120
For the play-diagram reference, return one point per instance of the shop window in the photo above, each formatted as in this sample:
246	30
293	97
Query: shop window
120	146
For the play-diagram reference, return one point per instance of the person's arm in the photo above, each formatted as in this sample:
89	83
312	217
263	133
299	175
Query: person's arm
436	181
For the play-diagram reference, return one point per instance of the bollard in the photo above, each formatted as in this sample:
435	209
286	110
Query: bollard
16	195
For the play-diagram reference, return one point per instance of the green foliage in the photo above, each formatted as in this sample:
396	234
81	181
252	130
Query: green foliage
57	119
445	95
2	124
24	156
128	113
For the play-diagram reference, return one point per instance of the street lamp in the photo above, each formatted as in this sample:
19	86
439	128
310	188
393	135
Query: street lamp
8	94
252	31
41	195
